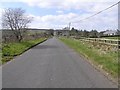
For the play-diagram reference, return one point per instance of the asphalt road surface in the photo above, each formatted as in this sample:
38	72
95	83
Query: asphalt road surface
52	64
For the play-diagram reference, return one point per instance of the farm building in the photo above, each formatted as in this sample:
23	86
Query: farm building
110	32
62	32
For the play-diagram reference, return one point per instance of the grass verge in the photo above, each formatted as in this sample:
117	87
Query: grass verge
14	49
116	38
107	61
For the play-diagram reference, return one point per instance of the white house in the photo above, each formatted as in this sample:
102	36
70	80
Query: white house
110	32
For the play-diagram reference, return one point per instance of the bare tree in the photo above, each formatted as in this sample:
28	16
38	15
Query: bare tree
16	20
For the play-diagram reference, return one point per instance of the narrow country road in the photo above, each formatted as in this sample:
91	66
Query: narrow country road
52	64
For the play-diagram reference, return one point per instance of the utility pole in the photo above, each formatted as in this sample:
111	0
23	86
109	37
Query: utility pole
69	25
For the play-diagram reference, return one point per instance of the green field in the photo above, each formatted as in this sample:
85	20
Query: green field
13	49
107	61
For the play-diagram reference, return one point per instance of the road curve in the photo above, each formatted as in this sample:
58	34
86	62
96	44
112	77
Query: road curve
52	65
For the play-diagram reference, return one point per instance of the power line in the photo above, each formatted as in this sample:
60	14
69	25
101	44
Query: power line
96	13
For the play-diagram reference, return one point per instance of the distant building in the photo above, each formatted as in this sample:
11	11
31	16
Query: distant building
66	28
110	32
61	32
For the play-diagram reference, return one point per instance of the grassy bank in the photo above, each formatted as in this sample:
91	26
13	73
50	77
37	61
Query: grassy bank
107	61
112	38
13	49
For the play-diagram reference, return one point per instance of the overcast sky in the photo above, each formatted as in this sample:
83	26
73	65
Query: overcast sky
56	14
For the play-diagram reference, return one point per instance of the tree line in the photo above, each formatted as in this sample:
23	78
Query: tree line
88	34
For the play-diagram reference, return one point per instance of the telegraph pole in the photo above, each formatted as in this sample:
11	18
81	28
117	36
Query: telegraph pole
69	25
